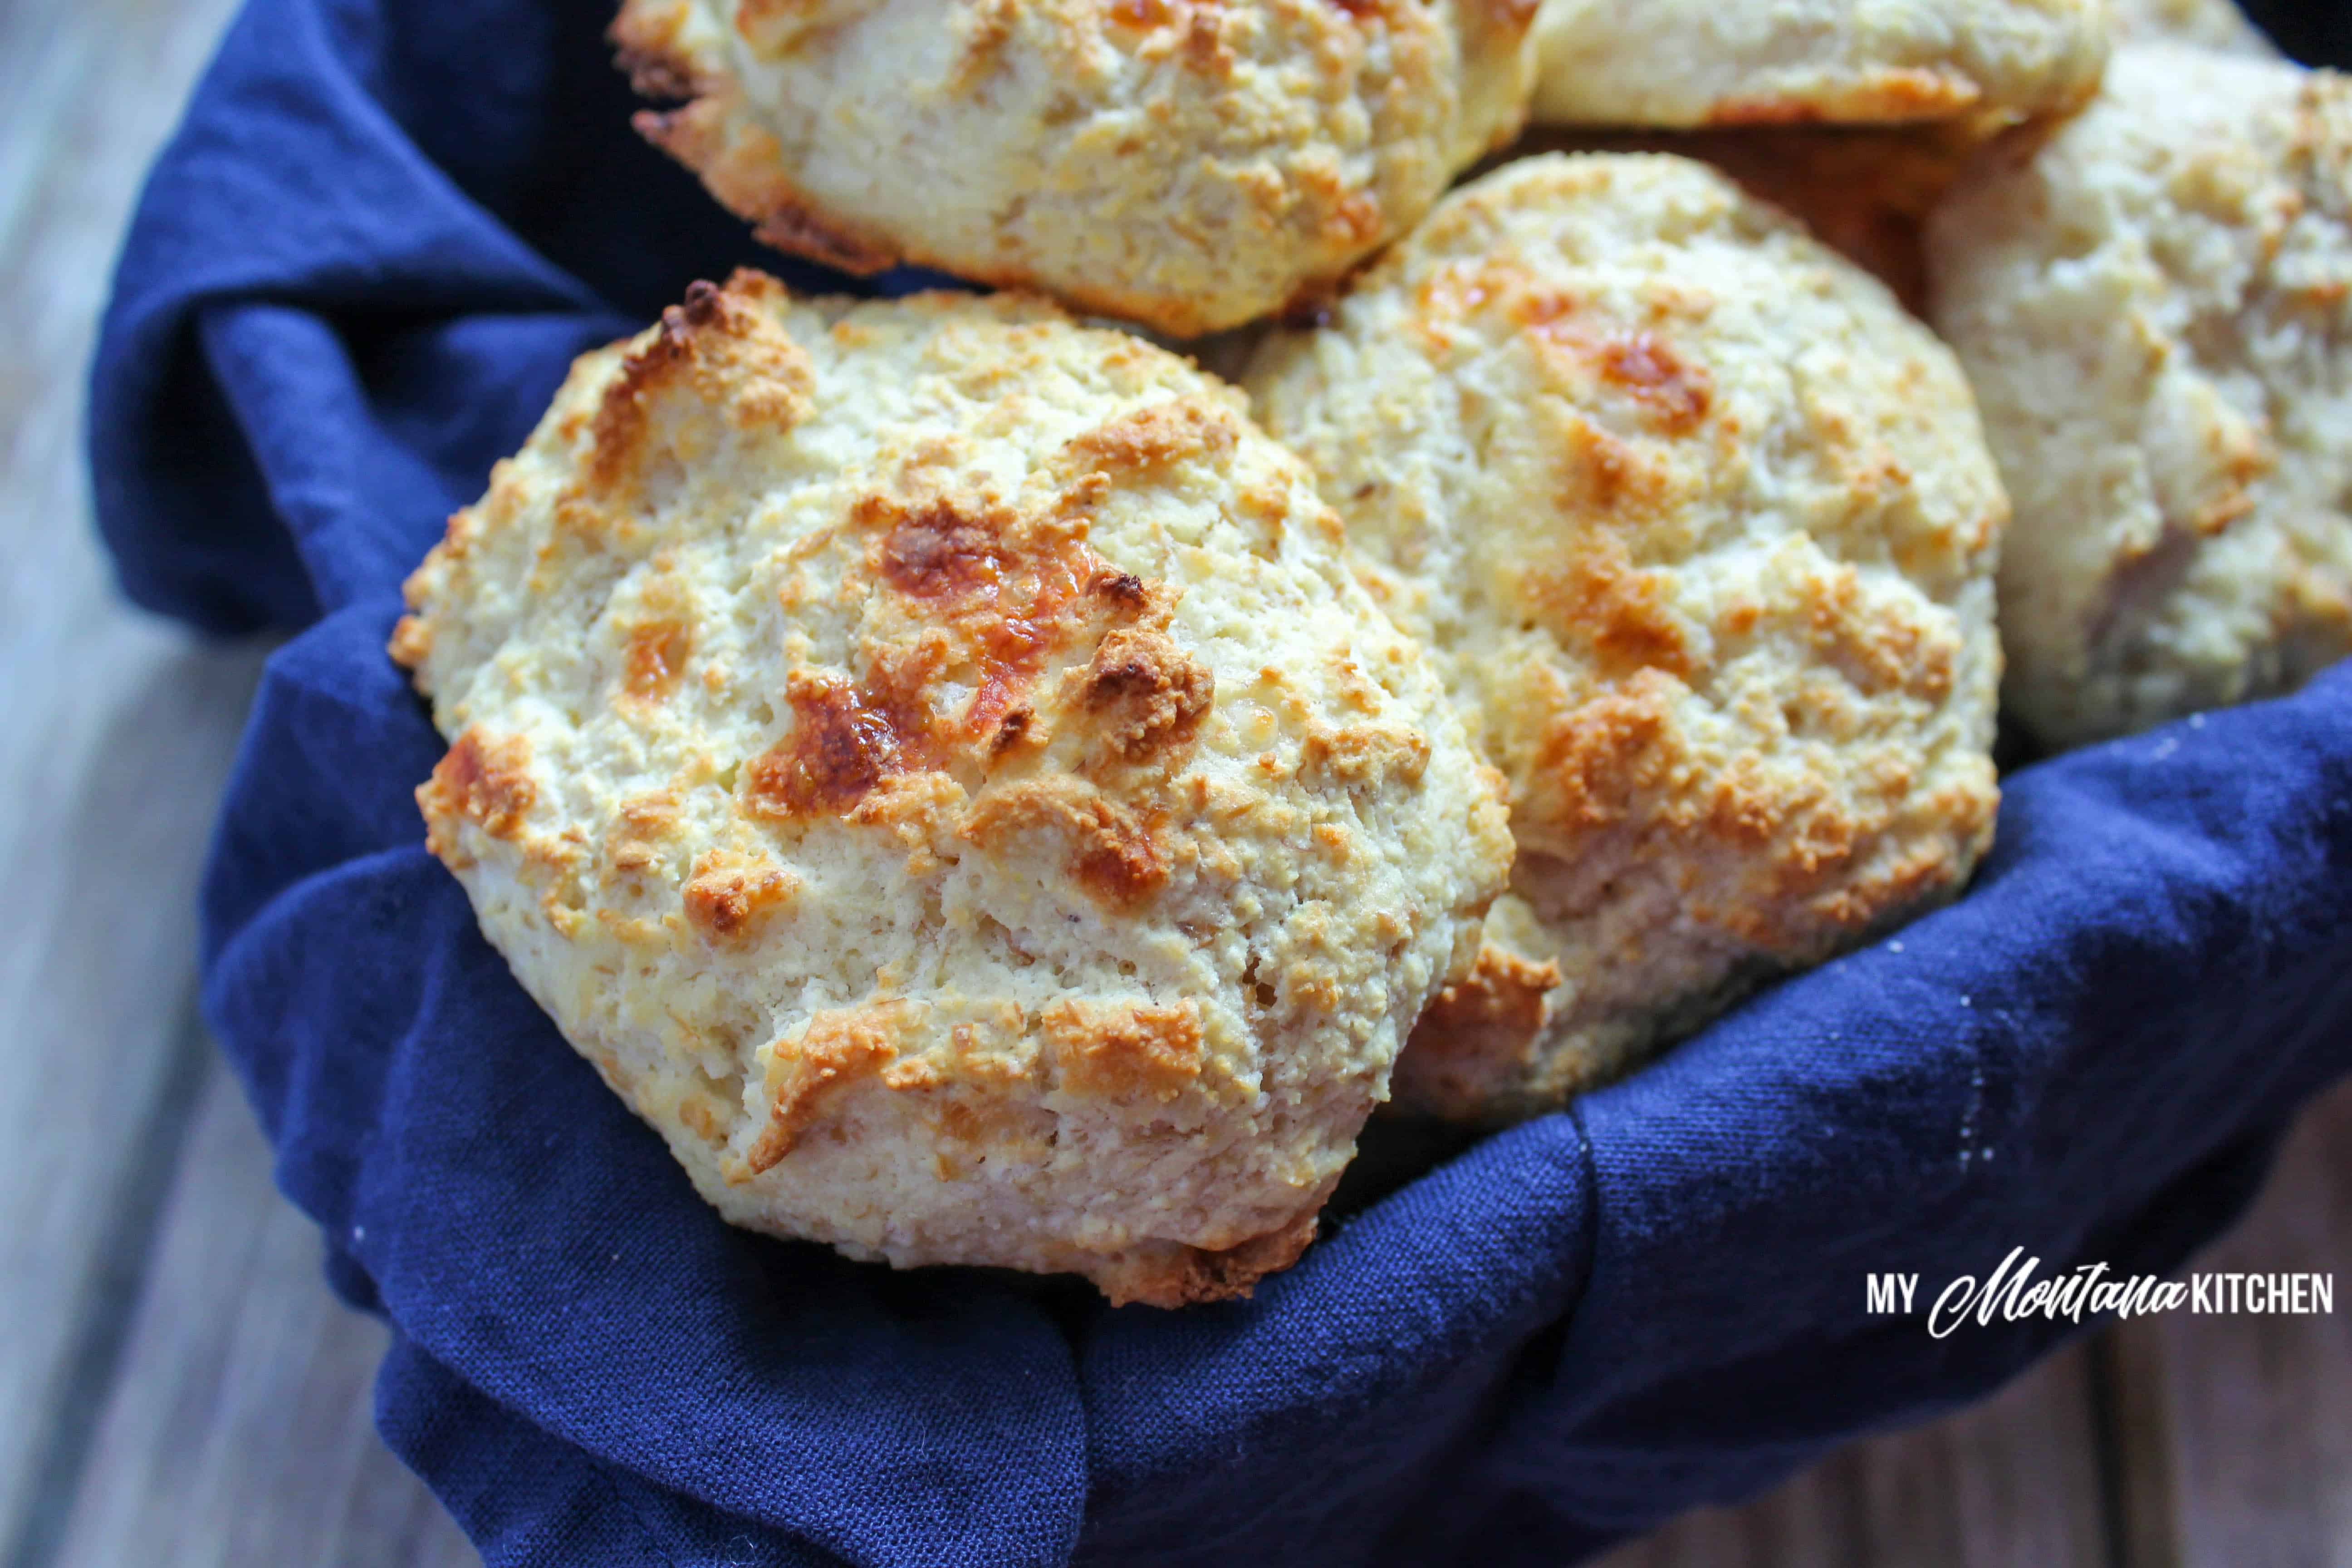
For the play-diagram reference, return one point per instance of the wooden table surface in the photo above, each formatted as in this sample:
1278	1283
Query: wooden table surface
180	1389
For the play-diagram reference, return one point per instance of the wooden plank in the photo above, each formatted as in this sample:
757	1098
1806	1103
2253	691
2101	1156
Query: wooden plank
210	1403
113	747
211	1406
2236	1429
239	1432
2013	1483
115	732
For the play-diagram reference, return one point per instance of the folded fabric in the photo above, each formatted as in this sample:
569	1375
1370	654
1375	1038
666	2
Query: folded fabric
358	273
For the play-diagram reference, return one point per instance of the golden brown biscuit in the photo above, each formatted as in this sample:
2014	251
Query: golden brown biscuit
1683	63
1188	164
1701	527
933	760
2156	309
1865	191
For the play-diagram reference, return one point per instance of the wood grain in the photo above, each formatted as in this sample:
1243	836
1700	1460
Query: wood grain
115	732
2237	1430
239	1431
2012	1483
2171	1442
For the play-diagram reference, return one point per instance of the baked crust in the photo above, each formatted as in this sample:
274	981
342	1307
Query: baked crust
2156	308
1681	64
1188	164
933	760
1865	191
1702	526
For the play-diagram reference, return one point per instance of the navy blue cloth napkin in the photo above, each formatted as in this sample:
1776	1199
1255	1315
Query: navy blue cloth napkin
355	279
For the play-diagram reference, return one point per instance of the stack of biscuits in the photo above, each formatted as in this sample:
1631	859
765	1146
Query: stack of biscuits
990	788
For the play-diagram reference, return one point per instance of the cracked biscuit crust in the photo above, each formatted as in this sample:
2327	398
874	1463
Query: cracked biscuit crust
1702	528
2156	309
933	760
1188	164
1687	63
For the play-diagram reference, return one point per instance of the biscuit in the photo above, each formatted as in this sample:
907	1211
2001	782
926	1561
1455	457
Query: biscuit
1701	528
1865	191
2156	309
1187	164
1684	63
2215	25
933	760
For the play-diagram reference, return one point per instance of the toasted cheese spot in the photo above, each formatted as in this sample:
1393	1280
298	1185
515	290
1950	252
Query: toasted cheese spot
484	779
838	750
1678	393
1459	291
1875	649
651	816
1011	730
1110	852
1205	47
838	1050
1154	436
913	1074
1602	477
989	1099
988	27
620	433
937	552
729	894
1595	596
1011	590
1123	865
1123	1052
654	657
1152	692
1141	14
1674	393
1364	754
1121	588
1598	755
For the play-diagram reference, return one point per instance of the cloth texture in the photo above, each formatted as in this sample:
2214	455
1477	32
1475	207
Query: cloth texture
357	275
